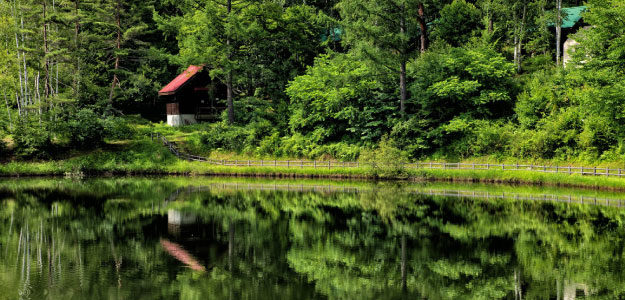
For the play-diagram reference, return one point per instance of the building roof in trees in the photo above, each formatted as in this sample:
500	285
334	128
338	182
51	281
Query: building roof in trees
180	80
572	15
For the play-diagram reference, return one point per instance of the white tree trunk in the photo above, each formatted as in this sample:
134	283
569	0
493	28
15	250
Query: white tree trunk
558	31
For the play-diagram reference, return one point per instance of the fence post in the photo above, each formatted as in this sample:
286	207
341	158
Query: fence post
531	167
503	167
444	165
329	164
223	162
275	163
569	170
288	163
607	171
248	162
301	163
557	168
517	166
487	166
473	166
619	172
595	171
315	163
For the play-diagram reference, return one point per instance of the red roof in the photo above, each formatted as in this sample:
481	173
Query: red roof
180	80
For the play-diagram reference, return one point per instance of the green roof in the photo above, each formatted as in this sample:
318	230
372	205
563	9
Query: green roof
334	34
572	15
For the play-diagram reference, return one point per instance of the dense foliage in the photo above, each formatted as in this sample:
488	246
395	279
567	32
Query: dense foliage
444	79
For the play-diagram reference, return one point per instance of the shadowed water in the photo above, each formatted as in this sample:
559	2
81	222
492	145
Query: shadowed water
182	238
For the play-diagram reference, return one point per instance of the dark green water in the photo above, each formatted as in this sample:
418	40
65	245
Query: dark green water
181	238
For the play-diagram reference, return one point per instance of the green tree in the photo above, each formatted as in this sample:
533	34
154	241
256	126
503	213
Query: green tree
340	99
383	32
458	22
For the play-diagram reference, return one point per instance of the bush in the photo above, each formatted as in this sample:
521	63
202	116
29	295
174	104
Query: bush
225	137
32	140
270	145
385	161
3	148
412	136
85	129
117	128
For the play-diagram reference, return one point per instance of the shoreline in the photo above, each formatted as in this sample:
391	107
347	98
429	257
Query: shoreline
192	169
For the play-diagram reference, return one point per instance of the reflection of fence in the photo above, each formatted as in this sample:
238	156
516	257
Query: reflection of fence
573	199
595	171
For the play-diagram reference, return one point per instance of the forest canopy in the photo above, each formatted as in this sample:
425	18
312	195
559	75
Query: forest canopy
434	79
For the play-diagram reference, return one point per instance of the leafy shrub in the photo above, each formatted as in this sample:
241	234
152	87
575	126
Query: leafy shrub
340	98
412	136
225	137
341	151
270	145
117	128
386	160
555	136
85	129
32	140
3	149
296	145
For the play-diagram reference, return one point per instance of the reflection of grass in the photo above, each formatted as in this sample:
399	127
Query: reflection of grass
144	157
172	183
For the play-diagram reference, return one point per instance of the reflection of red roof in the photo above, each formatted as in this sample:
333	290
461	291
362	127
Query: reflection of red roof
180	80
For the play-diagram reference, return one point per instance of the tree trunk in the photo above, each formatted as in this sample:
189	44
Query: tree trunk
46	64
19	72
6	101
118	46
558	31
521	36
402	71
423	27
491	17
230	245
402	88
229	75
76	47
19	106
403	262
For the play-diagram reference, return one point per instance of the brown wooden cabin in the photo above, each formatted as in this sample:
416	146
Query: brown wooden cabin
193	97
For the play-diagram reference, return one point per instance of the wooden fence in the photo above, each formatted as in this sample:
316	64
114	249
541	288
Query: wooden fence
573	199
327	164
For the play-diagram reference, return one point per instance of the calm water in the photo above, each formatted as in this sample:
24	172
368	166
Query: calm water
181	238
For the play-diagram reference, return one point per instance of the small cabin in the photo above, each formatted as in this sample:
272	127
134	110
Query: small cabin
193	97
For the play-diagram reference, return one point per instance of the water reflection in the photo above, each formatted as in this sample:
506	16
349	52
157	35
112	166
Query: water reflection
178	238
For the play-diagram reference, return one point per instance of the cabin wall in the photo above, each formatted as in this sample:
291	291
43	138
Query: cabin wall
180	120
178	114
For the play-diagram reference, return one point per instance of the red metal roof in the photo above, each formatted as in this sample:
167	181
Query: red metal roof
180	80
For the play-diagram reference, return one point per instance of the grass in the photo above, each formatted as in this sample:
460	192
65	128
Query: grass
144	157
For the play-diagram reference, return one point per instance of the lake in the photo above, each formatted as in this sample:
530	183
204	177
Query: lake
232	238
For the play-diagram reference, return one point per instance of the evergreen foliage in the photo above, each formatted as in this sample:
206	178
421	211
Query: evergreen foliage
442	79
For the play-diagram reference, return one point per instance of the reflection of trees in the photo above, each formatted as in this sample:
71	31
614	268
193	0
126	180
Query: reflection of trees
101	240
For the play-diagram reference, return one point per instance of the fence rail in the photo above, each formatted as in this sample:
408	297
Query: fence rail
327	164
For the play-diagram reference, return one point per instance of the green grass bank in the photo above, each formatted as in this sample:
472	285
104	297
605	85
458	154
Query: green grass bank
145	157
